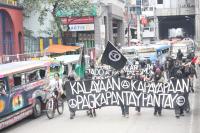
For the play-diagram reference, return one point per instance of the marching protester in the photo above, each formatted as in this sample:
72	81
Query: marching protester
158	77
72	111
137	76
191	76
186	74
168	66
158	65
179	55
177	72
91	112
124	107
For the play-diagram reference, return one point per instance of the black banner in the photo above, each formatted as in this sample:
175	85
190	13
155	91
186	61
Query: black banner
116	91
102	72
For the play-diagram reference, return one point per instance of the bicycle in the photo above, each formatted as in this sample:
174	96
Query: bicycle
53	104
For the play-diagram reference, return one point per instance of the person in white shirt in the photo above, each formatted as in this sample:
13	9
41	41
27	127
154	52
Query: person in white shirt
56	85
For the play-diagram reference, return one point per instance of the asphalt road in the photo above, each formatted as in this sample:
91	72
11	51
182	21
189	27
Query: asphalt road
109	120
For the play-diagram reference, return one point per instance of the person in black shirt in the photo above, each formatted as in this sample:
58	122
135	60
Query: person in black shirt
91	112
179	55
71	78
178	74
158	77
124	107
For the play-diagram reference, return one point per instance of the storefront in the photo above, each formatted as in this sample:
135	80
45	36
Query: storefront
80	31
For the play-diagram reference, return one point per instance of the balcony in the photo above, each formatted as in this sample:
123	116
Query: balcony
175	11
9	2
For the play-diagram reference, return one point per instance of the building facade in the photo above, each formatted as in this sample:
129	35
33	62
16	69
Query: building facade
164	17
174	14
11	28
106	23
109	25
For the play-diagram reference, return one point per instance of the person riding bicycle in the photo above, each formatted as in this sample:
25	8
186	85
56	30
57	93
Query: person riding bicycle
56	86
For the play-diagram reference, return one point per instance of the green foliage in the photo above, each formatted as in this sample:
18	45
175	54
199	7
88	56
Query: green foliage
77	8
58	8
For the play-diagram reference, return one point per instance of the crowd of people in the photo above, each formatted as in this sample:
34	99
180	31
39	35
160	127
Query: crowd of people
172	68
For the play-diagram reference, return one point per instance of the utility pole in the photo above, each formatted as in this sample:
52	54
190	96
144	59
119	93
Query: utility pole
138	13
128	19
138	28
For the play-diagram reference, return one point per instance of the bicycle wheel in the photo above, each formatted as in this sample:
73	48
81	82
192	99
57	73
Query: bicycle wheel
50	111
60	107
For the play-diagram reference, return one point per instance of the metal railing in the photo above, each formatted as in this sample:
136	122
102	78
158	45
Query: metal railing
20	57
9	2
31	44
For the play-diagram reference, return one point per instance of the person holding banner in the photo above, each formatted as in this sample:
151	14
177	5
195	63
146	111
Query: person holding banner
137	77
72	111
178	74
91	112
124	107
158	77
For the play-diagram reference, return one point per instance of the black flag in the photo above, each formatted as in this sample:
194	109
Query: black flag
113	57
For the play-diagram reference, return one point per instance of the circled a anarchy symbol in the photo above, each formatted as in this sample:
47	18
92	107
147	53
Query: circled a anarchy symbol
125	84
72	103
114	56
180	100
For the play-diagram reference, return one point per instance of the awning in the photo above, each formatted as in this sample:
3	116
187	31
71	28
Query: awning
61	48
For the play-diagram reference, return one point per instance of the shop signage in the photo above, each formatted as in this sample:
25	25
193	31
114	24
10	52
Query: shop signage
81	27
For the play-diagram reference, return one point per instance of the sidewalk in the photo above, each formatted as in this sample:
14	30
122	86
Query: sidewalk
195	118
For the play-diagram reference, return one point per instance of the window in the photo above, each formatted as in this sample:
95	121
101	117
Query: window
32	76
42	73
160	1
19	79
2	86
36	75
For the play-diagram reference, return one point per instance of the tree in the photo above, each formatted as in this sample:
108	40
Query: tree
58	9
